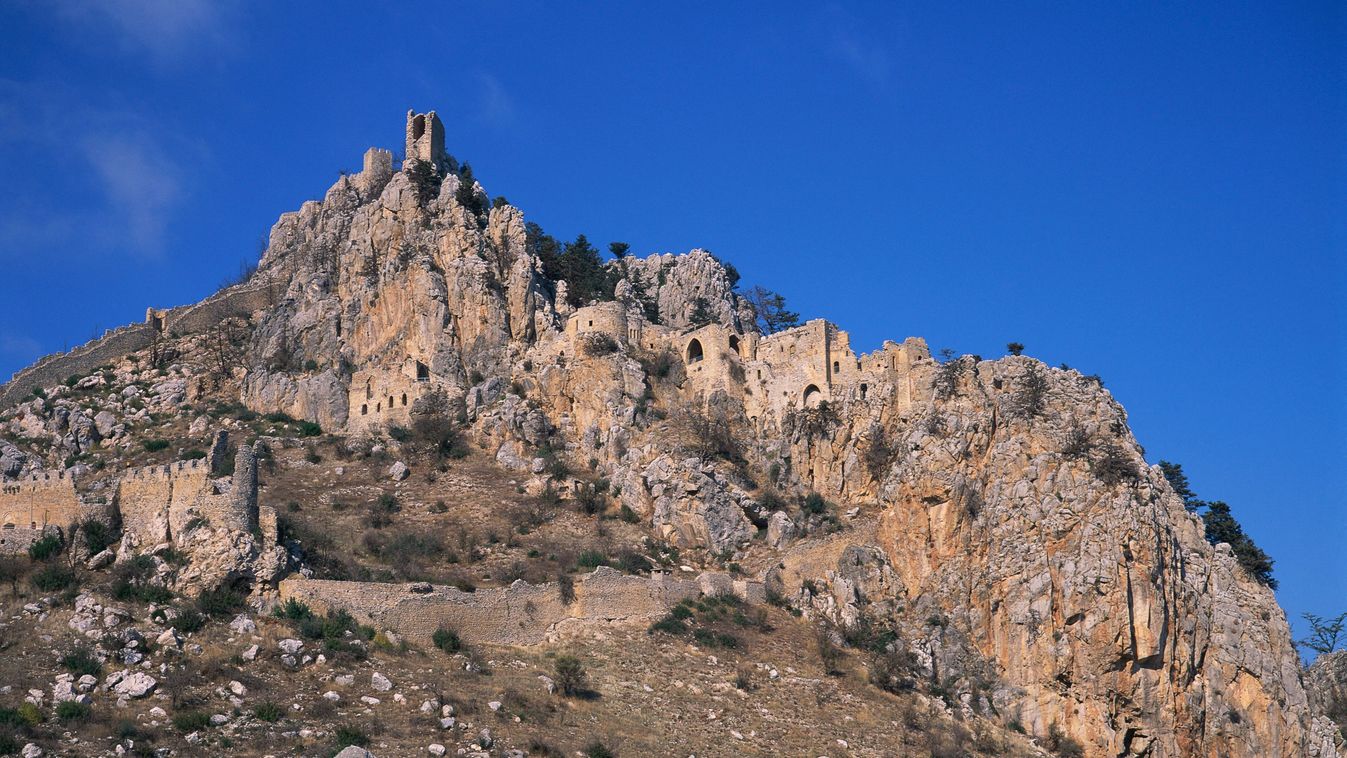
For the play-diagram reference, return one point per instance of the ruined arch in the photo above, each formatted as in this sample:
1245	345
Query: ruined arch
418	126
695	352
734	344
812	396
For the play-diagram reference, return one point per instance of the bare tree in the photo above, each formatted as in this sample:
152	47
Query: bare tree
1326	634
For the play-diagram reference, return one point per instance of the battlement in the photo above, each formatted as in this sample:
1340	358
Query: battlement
32	506
166	471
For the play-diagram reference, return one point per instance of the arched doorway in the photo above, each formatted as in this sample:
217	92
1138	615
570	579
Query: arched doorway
694	351
734	344
812	397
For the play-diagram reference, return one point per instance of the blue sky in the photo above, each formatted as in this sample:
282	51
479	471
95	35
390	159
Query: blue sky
1155	193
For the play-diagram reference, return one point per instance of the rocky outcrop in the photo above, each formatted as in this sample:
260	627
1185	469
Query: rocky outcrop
1326	682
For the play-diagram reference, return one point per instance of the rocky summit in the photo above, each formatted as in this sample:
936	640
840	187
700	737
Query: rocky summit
429	481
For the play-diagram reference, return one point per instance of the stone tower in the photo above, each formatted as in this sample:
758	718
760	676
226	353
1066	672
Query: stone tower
425	138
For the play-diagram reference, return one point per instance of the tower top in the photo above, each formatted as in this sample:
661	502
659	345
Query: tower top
425	138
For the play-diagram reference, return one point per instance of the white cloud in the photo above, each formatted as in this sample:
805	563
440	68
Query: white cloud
115	189
496	106
166	30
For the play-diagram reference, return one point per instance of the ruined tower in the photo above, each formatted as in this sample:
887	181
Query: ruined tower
425	138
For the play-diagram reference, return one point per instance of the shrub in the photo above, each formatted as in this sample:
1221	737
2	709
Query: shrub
191	721
97	535
219	602
1014	348
154	446
946	382
597	749
447	640
813	505
309	429
268	711
293	610
591	559
570	673
597	344
1077	444
349	734
310	365
1058	742
29	715
72	710
566	588
189	620
54	578
1030	397
49	546
1113	465
81	661
828	651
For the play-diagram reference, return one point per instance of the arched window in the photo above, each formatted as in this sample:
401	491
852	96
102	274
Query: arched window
404	398
418	127
378	407
694	351
390	401
734	344
369	391
422	373
837	367
864	388
812	396
364	410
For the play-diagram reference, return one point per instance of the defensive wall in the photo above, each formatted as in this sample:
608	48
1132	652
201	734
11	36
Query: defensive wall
159	502
116	344
521	614
32	506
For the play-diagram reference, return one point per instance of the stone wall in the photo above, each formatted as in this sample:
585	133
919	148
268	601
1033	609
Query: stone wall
159	502
116	344
34	505
521	614
52	370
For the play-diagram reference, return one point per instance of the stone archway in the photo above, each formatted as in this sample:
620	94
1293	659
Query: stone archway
695	352
734	344
812	397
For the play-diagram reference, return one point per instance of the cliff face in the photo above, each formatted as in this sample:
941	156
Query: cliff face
996	518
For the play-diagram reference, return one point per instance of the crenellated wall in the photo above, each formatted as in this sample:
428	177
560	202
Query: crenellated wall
34	505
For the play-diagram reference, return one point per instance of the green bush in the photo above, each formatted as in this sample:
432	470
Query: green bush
154	446
195	454
597	749
191	721
189	620
309	429
570	673
349	734
97	536
49	546
54	578
219	602
72	710
813	505
447	640
80	661
268	711
293	610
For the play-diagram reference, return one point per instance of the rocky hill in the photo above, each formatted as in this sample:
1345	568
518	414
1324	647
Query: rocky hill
425	413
